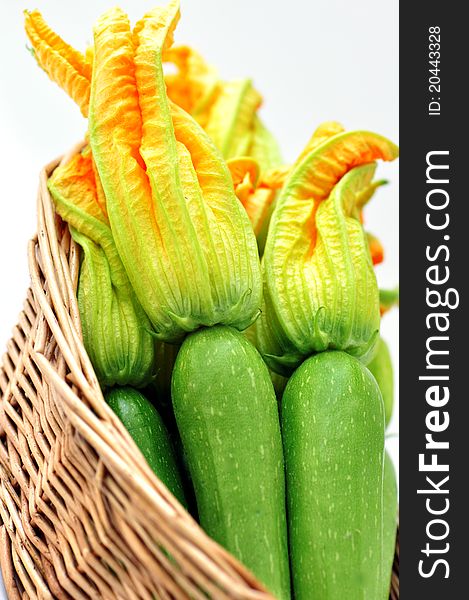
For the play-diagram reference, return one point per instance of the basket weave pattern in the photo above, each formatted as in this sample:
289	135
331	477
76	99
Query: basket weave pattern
83	516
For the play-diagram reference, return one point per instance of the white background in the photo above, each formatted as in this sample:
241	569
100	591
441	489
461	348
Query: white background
311	60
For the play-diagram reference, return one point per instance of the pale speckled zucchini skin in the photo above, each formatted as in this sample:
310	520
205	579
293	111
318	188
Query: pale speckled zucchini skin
333	433
146	427
227	415
390	522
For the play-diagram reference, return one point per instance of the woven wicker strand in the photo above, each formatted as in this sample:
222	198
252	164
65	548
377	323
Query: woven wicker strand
83	516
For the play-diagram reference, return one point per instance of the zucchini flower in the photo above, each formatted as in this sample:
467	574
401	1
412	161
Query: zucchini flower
260	201
254	193
183	237
257	191
231	118
116	331
245	174
195	84
227	110
320	290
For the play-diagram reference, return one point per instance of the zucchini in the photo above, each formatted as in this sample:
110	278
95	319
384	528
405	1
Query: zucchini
333	433
381	367
142	421
226	412
389	523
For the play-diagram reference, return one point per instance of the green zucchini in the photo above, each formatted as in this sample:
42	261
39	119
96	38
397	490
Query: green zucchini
333	433
389	522
381	367
226	412
142	421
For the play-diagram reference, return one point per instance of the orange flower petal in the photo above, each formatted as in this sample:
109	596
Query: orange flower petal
62	63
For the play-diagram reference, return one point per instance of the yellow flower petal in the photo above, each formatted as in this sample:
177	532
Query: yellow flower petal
62	63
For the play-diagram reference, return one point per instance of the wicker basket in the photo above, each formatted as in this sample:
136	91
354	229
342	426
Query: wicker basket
83	515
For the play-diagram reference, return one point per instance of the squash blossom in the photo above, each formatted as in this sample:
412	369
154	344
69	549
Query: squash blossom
235	127
255	193
116	330
194	85
245	173
258	191
274	179
320	290
184	239
228	111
